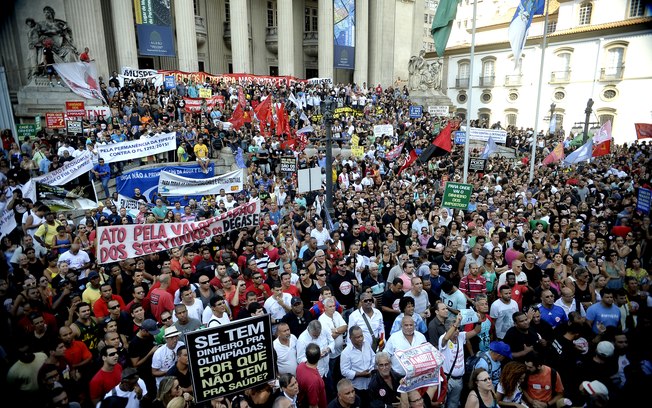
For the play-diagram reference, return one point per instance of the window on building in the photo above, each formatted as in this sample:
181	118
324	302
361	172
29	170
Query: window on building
195	5
271	14
552	26
488	75
463	74
636	8
586	9
310	19
615	58
201	66
510	118
425	18
606	118
227	11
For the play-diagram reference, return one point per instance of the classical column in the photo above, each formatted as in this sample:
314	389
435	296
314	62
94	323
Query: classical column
361	42
124	33
381	42
285	35
240	36
184	17
85	19
325	43
215	29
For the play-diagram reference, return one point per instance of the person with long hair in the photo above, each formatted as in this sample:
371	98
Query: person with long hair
509	390
168	389
482	394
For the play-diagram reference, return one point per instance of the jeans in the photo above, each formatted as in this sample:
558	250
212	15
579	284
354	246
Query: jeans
105	185
454	392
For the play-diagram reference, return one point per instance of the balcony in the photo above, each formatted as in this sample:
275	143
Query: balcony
487	81
560	77
513	80
310	43
271	39
227	34
461	83
200	29
612	73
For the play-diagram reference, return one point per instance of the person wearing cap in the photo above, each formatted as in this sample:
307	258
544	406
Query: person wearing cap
141	350
166	356
492	361
298	317
543	386
92	292
131	387
594	391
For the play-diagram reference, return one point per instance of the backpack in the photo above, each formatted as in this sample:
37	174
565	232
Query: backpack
470	363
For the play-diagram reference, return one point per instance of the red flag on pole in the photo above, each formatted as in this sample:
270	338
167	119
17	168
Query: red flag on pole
601	149
643	130
237	119
557	154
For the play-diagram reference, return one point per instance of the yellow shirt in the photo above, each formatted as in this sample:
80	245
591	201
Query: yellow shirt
47	232
201	151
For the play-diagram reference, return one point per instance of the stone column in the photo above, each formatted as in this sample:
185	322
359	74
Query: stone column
361	42
240	36
325	43
381	42
215	29
84	18
285	30
124	33
184	18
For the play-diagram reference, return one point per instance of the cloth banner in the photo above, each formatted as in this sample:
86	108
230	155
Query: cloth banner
421	365
321	81
132	206
194	105
120	242
498	135
147	180
145	75
69	172
135	149
81	78
380	130
395	153
233	79
7	222
170	184
62	198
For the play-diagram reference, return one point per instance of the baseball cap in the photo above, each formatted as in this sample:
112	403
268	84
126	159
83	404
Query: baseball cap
150	326
605	349
129	373
595	387
171	331
501	348
93	275
295	300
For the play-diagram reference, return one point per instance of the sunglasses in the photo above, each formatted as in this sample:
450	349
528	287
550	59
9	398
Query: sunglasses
204	282
115	353
166	319
114	307
368	300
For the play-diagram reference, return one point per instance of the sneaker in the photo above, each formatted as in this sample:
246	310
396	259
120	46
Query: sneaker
60	84
51	84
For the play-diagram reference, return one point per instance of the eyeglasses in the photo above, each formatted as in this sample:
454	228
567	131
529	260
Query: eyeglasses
114	307
115	353
321	275
368	300
258	277
302	274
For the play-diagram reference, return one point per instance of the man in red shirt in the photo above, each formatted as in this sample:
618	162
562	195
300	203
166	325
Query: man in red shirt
107	377
312	390
77	354
173	286
160	298
260	288
287	286
101	305
84	57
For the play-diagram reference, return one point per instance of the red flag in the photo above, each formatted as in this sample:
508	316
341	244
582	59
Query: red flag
282	121
237	119
412	157
601	149
241	97
264	110
643	130
555	155
443	140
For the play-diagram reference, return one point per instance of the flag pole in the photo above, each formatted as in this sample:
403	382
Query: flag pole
536	112
470	97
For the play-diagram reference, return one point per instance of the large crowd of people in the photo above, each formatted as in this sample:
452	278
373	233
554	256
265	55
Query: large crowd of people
555	270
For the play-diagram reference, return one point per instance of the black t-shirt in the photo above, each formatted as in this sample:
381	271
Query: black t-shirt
139	348
517	340
343	288
297	324
446	268
390	299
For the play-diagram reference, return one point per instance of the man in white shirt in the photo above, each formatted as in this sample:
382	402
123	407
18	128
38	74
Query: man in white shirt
315	334
368	318
406	338
451	344
278	305
285	346
195	306
502	310
166	356
131	387
215	313
321	234
568	303
357	361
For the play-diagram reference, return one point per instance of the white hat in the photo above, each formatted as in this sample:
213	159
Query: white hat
605	349
595	387
171	331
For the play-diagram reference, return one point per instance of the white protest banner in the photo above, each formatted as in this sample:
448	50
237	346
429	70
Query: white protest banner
132	206
93	113
7	222
498	135
380	130
468	316
144	75
438	110
170	184
70	171
135	149
120	242
321	81
421	365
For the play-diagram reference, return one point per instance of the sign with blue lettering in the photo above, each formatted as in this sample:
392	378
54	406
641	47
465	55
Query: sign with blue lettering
460	137
169	82
416	111
644	200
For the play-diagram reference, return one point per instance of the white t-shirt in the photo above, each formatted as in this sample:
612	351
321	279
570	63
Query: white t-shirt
502	315
449	351
327	325
164	358
286	356
132	400
75	261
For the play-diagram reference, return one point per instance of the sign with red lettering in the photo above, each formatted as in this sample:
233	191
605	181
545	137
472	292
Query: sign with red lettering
75	109
55	120
120	242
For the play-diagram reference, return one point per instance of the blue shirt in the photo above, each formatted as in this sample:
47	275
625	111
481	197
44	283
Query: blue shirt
599	313
103	168
554	316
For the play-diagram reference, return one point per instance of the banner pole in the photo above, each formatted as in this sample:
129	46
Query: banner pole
470	97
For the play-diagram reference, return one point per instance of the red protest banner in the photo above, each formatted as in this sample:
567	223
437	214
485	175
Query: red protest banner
55	120
643	130
75	109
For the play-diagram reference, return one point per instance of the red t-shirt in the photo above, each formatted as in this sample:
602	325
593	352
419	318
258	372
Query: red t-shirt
160	301
101	307
312	390
517	294
104	382
76	353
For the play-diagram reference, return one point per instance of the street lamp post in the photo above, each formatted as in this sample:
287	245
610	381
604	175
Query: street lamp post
587	111
327	117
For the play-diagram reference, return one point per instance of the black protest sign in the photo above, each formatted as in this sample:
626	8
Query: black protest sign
228	359
288	164
477	164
